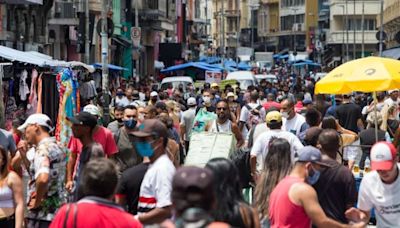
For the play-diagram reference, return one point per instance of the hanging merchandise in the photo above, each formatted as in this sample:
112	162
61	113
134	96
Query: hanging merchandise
23	86
68	90
33	98
10	104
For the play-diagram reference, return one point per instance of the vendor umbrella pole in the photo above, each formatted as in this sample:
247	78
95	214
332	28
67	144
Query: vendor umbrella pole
376	115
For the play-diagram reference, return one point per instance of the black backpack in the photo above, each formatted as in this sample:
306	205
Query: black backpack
241	159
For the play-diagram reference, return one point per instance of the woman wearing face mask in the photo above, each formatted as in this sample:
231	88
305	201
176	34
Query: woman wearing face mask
127	155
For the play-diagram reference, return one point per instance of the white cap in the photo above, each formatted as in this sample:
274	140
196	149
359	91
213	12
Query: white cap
153	94
92	109
393	90
230	94
191	101
38	118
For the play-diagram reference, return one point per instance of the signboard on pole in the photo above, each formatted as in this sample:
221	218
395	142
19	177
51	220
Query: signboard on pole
136	33
212	76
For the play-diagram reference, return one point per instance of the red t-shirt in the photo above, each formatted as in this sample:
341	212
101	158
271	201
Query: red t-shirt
283	213
94	215
103	136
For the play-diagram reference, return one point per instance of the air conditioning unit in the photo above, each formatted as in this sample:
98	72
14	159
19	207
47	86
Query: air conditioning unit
64	10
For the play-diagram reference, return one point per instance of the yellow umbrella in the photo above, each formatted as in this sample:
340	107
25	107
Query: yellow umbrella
368	74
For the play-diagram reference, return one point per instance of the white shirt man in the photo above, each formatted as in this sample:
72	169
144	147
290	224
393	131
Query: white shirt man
260	147
379	189
292	121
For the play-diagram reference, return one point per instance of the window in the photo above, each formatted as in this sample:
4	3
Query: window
355	24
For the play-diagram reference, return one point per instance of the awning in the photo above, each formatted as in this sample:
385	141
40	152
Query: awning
18	2
39	59
110	67
198	65
158	64
393	53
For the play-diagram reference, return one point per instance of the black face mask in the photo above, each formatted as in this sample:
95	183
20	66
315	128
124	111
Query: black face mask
119	120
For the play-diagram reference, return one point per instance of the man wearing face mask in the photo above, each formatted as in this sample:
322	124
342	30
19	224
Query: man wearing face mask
127	155
153	98
120	99
207	102
294	203
118	122
292	121
155	191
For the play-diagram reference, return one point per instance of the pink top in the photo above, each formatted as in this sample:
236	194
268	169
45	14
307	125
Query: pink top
283	213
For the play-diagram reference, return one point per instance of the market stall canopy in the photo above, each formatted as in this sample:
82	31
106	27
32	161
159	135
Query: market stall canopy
110	67
199	65
243	66
22	2
300	64
370	74
28	57
39	59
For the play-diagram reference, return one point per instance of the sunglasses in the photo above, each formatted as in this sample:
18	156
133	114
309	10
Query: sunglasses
223	109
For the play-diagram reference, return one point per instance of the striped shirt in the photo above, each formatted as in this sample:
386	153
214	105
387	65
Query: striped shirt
155	191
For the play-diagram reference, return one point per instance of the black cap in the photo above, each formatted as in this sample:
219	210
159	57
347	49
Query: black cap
84	118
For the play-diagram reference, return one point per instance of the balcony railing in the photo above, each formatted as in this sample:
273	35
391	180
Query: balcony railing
232	13
337	37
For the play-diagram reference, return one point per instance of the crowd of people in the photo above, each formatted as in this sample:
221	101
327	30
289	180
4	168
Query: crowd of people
303	155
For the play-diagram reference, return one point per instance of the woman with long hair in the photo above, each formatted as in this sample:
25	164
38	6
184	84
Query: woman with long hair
230	206
11	196
277	165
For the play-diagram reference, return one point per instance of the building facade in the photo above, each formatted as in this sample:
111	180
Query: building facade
391	23
347	36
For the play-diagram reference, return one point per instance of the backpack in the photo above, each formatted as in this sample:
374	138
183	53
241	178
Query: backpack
241	159
254	116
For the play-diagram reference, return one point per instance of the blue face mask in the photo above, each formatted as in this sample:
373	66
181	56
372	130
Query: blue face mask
144	149
130	124
313	176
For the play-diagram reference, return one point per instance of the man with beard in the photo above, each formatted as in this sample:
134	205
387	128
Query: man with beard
118	122
224	124
127	155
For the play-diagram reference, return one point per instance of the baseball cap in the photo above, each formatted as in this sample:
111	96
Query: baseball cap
151	127
392	91
214	85
382	156
310	154
230	94
38	118
153	94
92	109
273	116
193	184
191	101
84	118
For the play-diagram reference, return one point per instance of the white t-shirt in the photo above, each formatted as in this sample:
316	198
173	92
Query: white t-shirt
384	198
156	187
293	125
260	146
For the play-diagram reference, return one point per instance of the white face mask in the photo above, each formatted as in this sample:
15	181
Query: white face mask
207	100
285	114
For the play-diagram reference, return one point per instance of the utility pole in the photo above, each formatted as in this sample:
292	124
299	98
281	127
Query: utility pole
137	64
354	30
362	30
252	26
343	24
223	32
381	31
347	32
104	60
87	47
237	29
206	45
294	31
